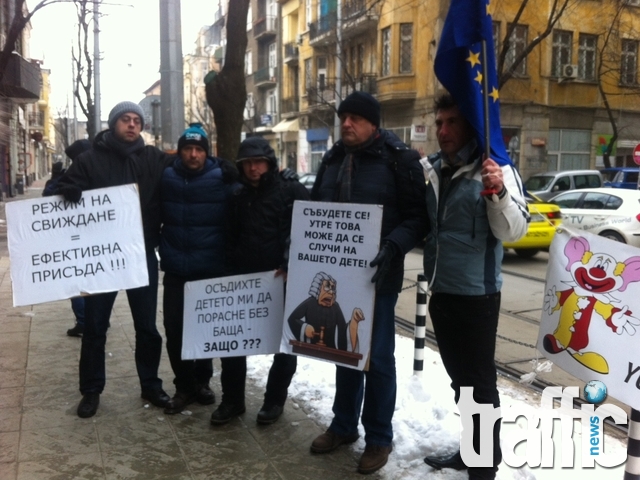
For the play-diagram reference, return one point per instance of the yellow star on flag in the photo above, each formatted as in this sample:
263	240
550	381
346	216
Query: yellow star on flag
478	77
489	8
494	94
474	58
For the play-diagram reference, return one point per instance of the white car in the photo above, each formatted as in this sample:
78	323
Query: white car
609	212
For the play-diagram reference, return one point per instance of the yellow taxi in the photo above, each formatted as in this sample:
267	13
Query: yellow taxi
545	218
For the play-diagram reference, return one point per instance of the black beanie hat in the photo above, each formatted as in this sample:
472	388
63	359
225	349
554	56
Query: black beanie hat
194	135
77	147
256	147
363	104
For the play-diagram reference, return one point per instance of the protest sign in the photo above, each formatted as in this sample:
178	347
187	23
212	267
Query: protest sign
330	297
232	316
590	323
60	249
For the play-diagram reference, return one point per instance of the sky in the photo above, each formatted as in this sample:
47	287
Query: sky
425	422
129	43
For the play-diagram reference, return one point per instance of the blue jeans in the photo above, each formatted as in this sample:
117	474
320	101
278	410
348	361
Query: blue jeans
77	305
377	385
143	303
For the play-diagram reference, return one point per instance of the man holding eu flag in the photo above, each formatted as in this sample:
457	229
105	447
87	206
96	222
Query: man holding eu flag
475	201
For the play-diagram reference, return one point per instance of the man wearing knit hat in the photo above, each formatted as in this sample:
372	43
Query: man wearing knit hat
118	157
371	165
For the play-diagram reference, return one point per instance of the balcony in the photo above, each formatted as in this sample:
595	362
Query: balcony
323	31
266	77
21	80
36	120
322	95
290	53
265	27
367	82
290	105
358	18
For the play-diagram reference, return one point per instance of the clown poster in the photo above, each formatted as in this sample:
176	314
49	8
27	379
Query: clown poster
590	325
330	298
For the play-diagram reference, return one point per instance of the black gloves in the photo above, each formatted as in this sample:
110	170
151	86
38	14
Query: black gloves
288	174
71	193
229	171
383	261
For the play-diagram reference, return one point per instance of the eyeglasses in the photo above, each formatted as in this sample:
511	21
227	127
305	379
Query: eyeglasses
126	119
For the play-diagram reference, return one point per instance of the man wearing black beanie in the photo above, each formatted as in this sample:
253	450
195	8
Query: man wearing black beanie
119	157
371	165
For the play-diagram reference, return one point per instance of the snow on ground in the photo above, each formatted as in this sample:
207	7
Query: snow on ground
425	421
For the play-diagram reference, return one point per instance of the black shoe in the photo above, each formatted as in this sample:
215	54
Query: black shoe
76	331
450	461
179	402
205	396
268	415
226	412
158	397
88	406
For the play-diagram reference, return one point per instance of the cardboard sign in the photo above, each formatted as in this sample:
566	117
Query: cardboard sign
61	249
330	297
232	316
590	323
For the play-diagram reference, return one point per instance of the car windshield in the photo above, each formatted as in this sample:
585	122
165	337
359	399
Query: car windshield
538	182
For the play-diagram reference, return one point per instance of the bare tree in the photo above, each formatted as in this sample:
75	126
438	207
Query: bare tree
227	92
83	63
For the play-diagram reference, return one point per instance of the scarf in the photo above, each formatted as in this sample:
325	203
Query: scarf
345	174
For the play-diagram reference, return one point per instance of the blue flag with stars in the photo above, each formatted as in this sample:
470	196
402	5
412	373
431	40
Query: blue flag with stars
459	69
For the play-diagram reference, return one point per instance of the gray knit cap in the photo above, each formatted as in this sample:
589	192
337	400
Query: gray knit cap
122	108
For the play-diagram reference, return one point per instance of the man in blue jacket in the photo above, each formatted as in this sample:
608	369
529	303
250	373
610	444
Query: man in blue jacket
195	196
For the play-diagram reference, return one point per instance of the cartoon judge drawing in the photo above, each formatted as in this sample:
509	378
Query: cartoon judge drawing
319	319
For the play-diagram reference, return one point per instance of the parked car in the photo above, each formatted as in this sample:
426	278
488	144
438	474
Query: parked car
613	213
545	217
547	185
621	177
308	179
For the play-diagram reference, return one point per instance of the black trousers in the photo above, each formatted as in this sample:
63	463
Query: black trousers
234	373
189	374
465	329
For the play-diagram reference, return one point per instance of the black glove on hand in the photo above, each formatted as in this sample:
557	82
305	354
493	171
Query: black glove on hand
288	174
229	171
383	261
71	193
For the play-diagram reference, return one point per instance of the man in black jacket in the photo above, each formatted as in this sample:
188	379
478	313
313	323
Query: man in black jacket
119	157
260	225
370	165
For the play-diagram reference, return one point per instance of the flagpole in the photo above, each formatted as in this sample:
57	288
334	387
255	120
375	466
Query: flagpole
485	100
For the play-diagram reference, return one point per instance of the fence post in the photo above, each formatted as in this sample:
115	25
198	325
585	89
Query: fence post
420	327
632	467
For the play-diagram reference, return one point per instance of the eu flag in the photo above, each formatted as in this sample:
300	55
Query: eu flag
459	68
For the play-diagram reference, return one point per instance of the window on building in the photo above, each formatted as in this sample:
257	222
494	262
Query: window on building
517	44
360	63
249	107
561	51
406	47
321	62
273	61
569	149
386	51
308	83
307	10
587	46
271	103
317	148
629	62
248	63
249	19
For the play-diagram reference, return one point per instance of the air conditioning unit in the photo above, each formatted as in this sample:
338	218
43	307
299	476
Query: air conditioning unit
570	71
299	39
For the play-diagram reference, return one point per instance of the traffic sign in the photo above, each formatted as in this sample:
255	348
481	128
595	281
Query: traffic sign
636	154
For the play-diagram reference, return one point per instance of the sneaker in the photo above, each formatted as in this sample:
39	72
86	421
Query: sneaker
88	406
179	402
205	395
329	441
157	397
374	458
76	331
269	414
226	412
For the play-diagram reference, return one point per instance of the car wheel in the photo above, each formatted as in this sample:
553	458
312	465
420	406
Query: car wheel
526	252
616	237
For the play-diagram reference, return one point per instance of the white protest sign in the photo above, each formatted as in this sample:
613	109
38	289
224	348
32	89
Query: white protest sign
590	325
330	297
61	249
232	316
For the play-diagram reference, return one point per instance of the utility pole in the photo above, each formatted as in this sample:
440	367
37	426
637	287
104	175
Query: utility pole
171	76
96	68
336	120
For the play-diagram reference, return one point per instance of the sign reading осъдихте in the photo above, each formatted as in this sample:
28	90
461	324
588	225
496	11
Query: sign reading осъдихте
60	249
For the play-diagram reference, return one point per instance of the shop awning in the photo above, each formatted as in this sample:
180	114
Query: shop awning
287	126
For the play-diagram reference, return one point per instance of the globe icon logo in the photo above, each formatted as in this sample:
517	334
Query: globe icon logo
595	391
